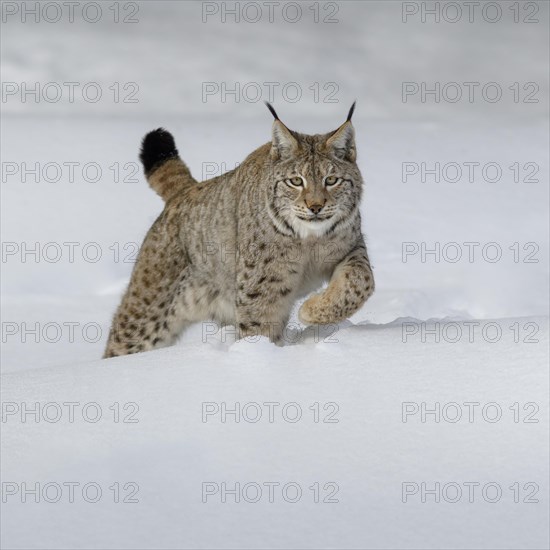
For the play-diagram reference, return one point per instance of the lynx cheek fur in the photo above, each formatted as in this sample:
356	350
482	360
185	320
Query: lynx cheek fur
243	247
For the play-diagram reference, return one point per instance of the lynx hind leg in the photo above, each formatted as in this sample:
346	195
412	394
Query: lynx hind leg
350	286
145	322
148	316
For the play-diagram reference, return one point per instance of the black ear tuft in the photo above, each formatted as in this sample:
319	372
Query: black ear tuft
157	146
350	114
271	109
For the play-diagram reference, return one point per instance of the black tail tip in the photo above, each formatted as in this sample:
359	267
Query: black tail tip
157	147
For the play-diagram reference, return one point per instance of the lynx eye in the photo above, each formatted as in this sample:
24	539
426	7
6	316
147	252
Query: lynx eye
331	180
295	182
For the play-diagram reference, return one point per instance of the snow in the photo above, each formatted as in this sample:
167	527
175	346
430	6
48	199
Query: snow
369	453
363	372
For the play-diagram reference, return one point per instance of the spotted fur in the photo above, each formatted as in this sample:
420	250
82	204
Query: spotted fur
243	247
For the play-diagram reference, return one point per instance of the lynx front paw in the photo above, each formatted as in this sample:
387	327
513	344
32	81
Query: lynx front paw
315	311
306	313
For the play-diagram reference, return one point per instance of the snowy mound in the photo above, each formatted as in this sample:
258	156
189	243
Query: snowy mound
226	445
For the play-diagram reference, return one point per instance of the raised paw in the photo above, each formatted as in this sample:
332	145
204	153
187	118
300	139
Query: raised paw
316	311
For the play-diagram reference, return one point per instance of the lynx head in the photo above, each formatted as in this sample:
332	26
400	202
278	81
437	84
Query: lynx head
316	184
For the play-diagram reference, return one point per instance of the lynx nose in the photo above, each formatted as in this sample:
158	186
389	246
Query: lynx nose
315	208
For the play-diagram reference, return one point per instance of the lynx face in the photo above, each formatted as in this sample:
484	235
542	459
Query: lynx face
316	186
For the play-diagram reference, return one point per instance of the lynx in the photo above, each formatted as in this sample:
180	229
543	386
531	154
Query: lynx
242	248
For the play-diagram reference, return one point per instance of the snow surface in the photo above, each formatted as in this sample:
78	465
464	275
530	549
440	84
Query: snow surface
365	366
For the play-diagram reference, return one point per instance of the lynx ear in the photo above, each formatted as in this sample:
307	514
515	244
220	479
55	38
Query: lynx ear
283	143
342	142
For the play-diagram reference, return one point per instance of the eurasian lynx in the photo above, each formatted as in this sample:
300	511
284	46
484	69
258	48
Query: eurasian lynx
241	248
